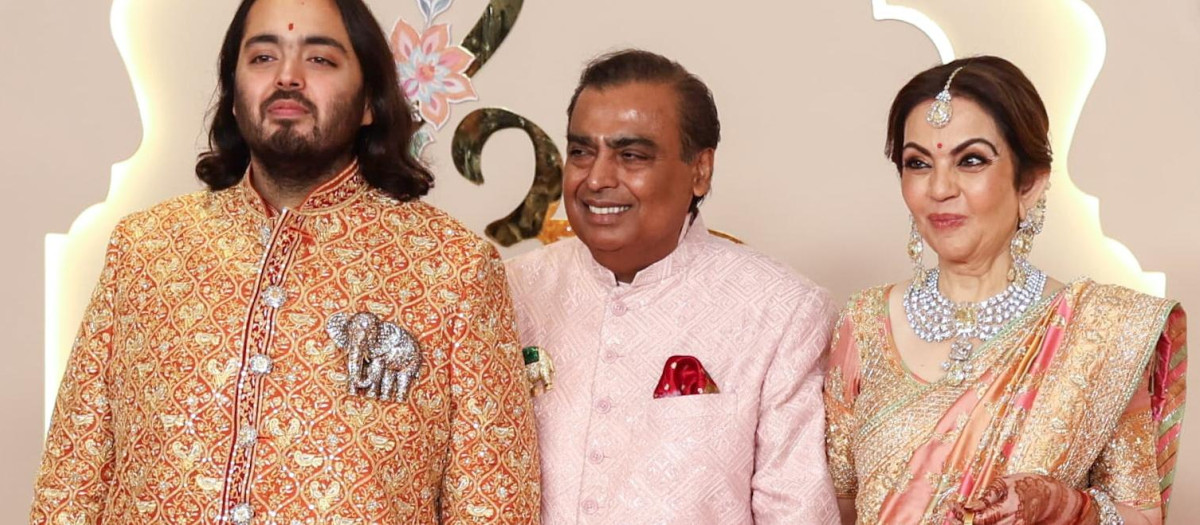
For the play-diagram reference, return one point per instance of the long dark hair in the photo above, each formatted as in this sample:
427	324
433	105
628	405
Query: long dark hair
382	147
1002	90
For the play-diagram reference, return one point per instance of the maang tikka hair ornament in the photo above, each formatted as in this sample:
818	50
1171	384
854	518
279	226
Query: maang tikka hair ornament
940	112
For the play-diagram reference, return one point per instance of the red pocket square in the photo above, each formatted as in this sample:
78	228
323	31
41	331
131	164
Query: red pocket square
683	375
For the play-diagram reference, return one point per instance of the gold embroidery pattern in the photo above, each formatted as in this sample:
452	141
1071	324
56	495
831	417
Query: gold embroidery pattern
166	415
879	416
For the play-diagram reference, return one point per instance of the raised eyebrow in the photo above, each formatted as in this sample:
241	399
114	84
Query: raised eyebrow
917	147
978	140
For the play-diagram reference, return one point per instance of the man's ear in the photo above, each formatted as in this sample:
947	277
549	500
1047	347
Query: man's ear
368	115
702	172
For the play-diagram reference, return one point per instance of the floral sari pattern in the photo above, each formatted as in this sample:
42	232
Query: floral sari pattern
1086	387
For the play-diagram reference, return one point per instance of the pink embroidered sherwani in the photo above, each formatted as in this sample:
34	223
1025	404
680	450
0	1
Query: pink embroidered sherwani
611	453
205	387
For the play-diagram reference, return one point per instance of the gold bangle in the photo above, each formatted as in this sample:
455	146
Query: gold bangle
969	517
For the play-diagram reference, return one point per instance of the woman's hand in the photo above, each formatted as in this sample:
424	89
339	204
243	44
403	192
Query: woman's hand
1026	499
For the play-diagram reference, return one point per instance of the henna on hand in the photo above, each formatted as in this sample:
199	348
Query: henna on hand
956	513
1090	514
1035	498
1026	499
994	494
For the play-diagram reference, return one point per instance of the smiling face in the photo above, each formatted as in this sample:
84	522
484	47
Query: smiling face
626	187
299	87
957	182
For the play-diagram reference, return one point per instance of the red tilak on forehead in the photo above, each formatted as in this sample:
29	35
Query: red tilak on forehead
939	145
291	26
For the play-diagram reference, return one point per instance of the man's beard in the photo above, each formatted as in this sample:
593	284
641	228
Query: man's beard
292	158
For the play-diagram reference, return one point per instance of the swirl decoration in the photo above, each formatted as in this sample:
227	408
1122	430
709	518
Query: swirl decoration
524	222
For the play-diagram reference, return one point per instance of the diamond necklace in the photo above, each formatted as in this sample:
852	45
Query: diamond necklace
935	318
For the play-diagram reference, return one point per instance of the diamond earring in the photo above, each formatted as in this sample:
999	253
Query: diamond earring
916	250
1022	241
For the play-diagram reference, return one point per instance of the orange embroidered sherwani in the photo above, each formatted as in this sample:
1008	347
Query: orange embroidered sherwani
203	387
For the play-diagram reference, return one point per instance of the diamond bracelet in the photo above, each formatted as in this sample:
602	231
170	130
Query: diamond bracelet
1108	509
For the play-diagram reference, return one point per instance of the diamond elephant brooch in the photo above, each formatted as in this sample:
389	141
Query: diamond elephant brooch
382	359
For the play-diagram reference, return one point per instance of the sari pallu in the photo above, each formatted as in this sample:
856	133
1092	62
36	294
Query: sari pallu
1086	387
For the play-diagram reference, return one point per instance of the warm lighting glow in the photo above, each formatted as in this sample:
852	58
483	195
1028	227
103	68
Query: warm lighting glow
882	11
67	280
1065	191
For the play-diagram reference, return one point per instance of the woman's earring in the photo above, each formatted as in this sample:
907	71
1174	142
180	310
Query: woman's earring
916	248
1022	241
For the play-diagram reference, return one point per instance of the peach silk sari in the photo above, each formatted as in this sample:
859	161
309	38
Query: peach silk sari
1086	387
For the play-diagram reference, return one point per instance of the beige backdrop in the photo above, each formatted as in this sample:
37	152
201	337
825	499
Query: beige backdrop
104	105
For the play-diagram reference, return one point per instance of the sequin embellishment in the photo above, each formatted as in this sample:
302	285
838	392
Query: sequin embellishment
274	296
260	364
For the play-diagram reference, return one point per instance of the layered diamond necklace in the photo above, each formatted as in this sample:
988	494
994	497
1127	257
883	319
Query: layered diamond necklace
934	318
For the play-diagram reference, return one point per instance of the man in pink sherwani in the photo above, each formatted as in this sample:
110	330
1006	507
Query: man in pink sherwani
688	385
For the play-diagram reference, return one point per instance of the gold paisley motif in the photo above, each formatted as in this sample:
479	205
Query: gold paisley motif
307	460
479	511
209	484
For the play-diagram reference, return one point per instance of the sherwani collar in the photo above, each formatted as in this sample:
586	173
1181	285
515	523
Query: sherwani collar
330	195
691	238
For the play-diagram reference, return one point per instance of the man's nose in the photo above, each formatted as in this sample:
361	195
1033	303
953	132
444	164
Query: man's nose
603	173
291	76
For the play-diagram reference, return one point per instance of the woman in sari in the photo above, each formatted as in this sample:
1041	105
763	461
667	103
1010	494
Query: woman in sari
982	391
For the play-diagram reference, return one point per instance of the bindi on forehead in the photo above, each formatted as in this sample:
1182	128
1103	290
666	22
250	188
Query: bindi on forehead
291	26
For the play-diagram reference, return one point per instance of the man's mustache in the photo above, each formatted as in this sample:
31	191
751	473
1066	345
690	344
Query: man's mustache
288	95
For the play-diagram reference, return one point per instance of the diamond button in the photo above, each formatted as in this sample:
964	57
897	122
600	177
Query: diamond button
260	364
274	296
247	436
242	514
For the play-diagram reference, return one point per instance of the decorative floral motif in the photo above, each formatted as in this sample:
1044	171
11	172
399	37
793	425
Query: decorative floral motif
431	8
432	72
435	74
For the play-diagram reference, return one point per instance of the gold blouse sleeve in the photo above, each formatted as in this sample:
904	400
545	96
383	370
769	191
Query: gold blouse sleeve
493	473
1126	467
73	482
1138	466
841	388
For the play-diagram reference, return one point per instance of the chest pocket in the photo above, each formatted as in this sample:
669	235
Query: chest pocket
689	407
